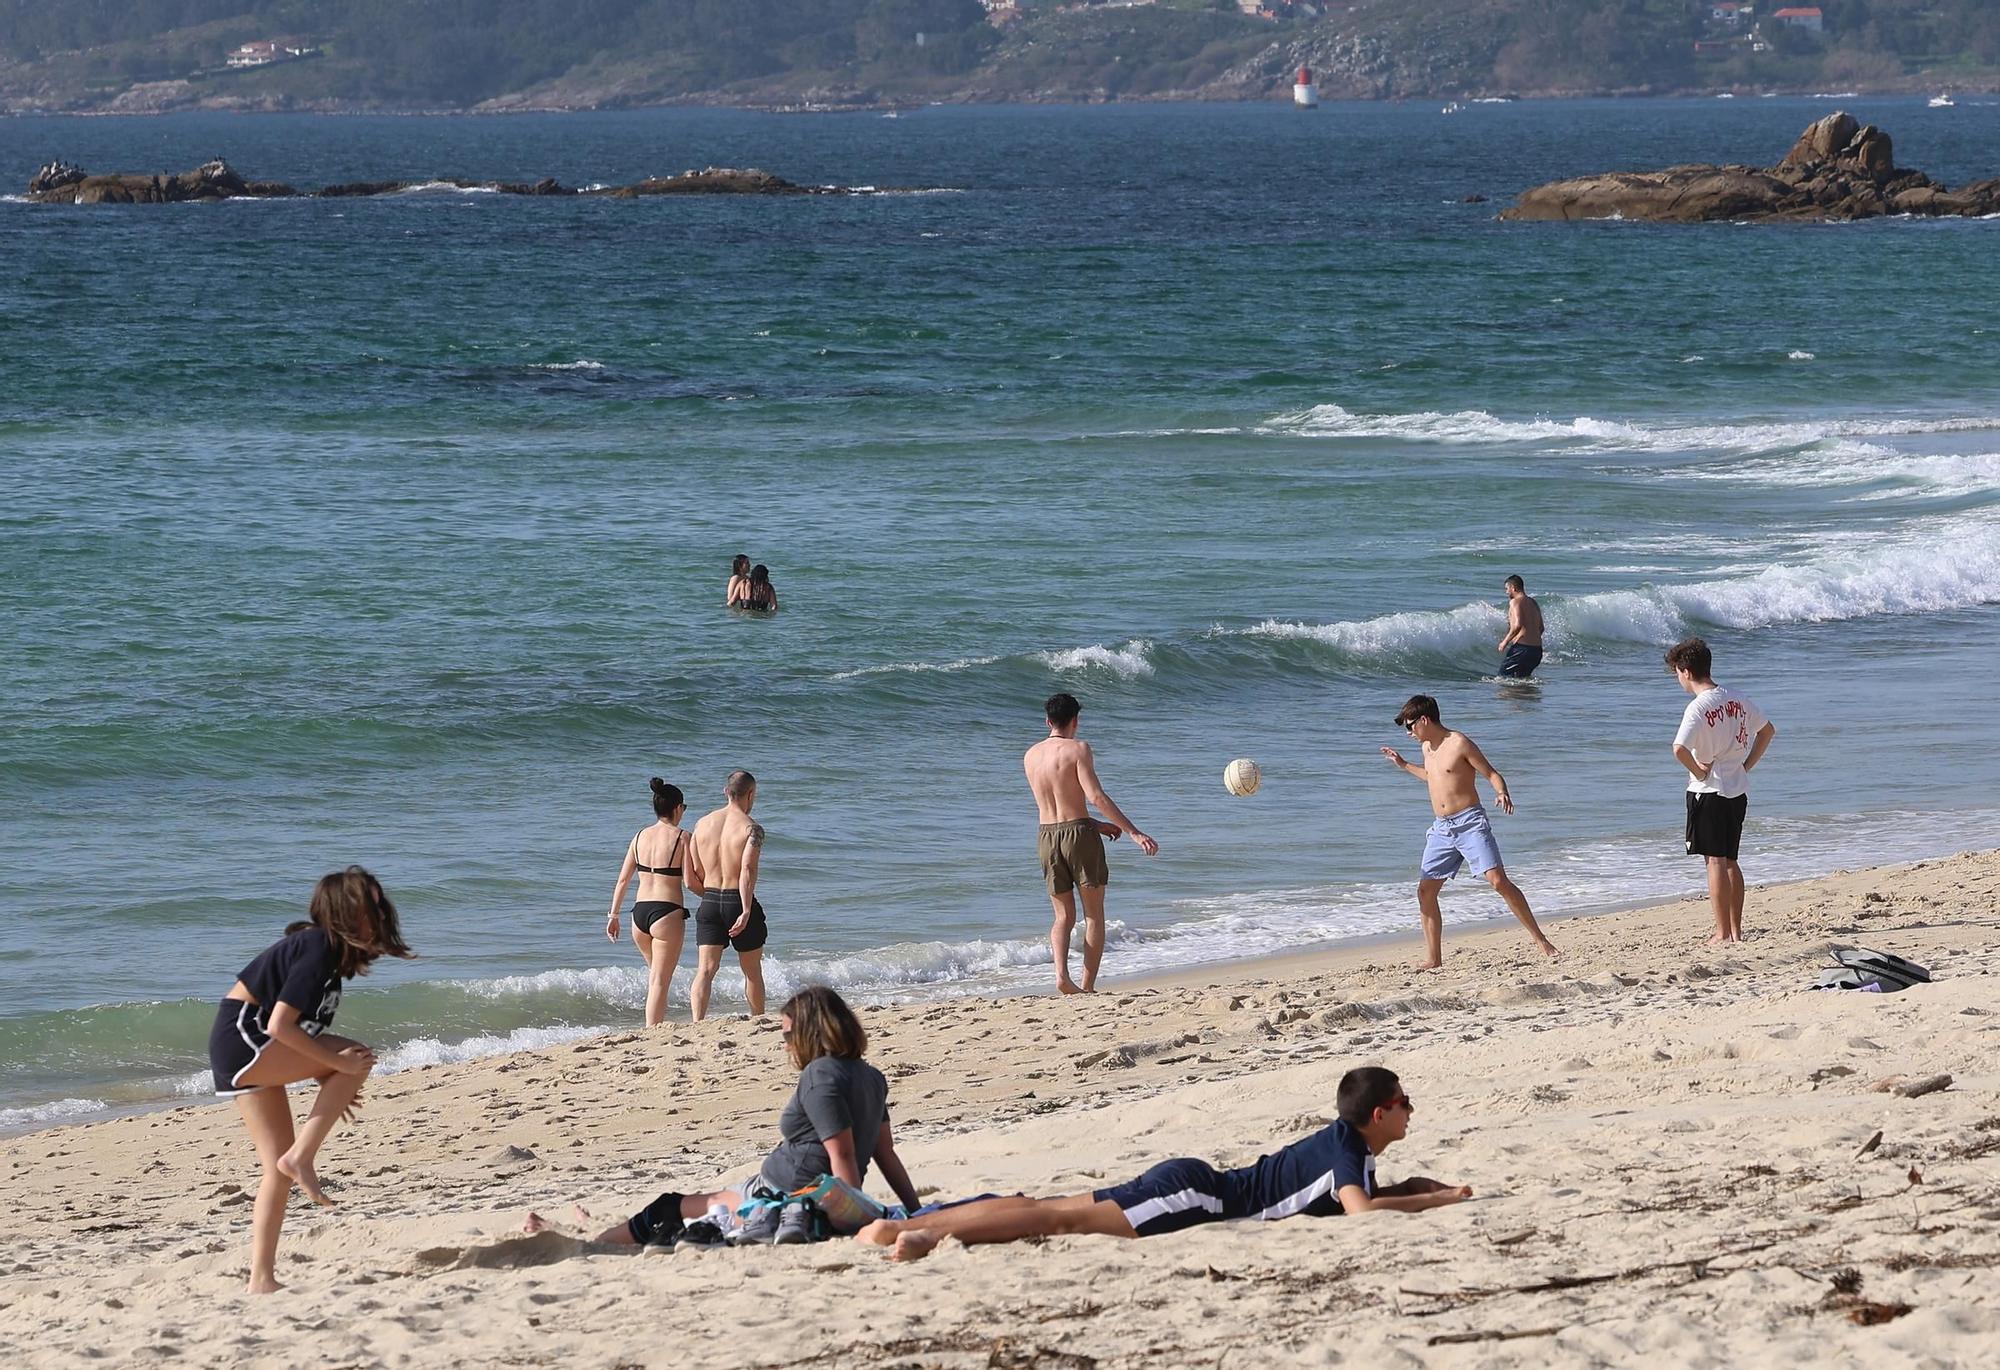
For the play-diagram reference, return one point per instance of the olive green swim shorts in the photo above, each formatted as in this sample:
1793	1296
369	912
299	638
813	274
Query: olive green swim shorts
1072	854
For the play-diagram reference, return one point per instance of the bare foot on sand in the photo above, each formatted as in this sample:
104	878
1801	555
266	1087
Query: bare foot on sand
306	1178
913	1246
1549	950
536	1223
1067	987
1427	965
267	1285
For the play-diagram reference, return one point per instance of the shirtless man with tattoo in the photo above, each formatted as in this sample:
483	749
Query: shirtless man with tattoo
1063	776
1521	649
1462	834
727	845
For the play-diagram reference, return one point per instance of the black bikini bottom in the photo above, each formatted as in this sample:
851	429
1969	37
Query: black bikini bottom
647	912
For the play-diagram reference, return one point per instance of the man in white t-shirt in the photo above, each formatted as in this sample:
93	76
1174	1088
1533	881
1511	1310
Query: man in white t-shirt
1722	738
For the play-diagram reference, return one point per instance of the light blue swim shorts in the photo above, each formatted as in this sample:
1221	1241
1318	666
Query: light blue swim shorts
1464	838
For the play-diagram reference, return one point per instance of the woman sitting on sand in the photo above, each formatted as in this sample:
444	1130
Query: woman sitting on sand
665	861
836	1123
738	594
270	1032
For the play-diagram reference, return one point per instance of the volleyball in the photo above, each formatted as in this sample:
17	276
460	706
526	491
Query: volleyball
1241	776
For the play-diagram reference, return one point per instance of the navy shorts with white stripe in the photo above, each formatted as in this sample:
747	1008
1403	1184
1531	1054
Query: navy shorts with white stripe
1172	1195
1303	1178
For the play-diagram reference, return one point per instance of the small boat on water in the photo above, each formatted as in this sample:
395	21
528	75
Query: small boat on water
1452	108
1942	101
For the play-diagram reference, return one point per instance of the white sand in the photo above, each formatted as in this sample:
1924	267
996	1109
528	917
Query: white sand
1667	1141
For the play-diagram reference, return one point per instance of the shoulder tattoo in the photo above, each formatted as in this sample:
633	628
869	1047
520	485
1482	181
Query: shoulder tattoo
757	835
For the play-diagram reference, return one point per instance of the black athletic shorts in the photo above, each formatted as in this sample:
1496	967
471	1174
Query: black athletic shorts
1715	824
719	911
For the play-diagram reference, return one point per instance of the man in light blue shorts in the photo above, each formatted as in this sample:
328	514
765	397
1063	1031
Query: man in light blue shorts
1462	834
1460	840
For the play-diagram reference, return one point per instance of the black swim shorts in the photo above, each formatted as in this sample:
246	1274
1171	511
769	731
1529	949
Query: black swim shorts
719	911
1520	661
1715	824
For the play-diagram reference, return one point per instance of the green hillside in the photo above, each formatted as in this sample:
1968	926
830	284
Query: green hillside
162	54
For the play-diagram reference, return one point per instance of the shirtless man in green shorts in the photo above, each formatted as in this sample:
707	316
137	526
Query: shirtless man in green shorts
1064	780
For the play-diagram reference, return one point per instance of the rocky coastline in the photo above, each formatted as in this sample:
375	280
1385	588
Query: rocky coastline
60	182
1838	170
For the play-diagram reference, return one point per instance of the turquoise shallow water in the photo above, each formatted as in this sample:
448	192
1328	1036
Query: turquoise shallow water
395	531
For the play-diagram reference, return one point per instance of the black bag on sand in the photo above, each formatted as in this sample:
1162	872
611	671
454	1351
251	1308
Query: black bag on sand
1877	972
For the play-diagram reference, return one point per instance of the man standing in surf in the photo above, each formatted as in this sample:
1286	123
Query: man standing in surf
1462	834
1722	737
1063	776
729	848
1521	649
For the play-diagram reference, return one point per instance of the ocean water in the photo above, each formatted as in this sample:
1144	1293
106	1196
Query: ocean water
395	531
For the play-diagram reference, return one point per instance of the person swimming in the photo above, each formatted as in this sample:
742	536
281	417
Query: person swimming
763	596
737	596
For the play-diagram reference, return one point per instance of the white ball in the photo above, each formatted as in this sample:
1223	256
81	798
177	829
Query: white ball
1241	776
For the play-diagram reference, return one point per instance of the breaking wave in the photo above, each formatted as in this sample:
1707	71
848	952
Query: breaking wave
1584	433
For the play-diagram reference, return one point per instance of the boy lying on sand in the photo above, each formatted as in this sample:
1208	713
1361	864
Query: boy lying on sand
1332	1171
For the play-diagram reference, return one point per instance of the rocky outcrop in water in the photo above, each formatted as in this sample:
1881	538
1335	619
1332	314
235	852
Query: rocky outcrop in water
1839	169
716	181
62	183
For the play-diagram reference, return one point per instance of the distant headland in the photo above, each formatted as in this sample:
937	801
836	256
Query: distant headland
64	56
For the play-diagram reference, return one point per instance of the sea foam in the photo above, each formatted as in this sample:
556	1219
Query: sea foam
1941	566
1128	661
1476	426
40	1115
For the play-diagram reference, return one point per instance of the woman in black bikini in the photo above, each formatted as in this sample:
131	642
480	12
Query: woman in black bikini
763	595
667	867
270	1032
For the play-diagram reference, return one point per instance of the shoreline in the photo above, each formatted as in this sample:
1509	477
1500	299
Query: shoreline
1319	959
1705	1097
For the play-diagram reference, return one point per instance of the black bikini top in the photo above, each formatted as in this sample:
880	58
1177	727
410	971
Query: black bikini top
673	856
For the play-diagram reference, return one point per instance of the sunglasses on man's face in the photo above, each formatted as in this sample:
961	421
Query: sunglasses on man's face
1402	1101
1411	727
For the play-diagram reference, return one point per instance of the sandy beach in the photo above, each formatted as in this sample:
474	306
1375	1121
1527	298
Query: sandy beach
1678	1151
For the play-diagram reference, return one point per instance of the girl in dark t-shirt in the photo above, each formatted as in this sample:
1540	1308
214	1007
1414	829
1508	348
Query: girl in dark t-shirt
271	1031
